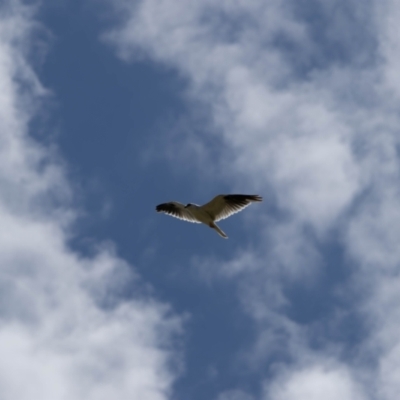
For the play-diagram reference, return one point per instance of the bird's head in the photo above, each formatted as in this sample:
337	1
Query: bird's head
188	205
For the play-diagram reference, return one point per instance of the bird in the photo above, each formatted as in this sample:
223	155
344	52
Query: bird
220	207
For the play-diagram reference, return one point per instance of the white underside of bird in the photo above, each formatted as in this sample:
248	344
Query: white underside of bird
220	207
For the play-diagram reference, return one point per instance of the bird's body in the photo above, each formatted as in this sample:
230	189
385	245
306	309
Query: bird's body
220	207
199	213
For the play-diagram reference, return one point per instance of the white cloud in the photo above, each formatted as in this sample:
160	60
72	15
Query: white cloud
309	111
388	13
66	330
316	382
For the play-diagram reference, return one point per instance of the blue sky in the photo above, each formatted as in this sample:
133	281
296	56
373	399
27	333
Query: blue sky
108	108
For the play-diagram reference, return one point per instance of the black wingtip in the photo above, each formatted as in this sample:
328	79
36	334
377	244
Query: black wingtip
243	197
166	207
256	197
162	207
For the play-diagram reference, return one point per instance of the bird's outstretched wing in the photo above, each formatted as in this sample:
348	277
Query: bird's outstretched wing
176	210
225	205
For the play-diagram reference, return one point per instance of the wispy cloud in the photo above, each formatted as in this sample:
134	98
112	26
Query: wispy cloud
304	96
66	329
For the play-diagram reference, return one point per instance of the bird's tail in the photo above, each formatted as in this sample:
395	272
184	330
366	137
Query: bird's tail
219	230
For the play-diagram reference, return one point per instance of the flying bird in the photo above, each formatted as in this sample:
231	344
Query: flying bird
220	207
